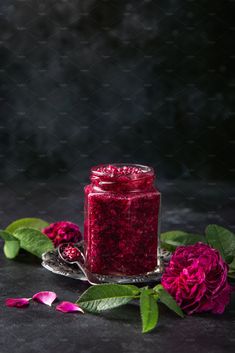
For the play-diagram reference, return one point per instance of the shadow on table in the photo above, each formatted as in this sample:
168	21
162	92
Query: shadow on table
126	313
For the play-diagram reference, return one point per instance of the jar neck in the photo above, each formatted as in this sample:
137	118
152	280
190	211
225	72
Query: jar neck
125	178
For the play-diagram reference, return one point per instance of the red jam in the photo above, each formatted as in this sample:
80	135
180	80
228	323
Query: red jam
121	220
71	253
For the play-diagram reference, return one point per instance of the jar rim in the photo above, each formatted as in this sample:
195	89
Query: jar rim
145	170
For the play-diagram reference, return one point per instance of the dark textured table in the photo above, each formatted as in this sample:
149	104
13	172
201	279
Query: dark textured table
40	328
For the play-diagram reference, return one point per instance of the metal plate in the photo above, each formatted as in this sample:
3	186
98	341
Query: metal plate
53	263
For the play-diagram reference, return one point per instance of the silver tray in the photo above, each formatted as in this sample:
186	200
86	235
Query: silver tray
53	263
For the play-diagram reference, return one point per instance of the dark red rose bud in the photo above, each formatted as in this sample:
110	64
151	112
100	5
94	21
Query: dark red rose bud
63	232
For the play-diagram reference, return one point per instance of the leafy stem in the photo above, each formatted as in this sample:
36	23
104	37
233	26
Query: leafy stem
25	234
216	236
108	296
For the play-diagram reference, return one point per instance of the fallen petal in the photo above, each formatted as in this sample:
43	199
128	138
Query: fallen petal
46	298
17	302
68	307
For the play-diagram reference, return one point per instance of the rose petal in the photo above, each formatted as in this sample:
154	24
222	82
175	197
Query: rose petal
68	307
46	298
17	302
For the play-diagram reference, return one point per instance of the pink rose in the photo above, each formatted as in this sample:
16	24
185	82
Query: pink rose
197	278
63	232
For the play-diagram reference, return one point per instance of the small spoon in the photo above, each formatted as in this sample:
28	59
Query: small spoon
92	279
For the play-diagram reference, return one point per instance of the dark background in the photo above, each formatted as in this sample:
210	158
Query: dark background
87	82
90	81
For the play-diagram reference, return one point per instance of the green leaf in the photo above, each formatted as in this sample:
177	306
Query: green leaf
11	246
232	265
148	311
223	240
11	249
231	275
107	296
33	241
35	223
171	240
231	272
6	236
146	289
168	300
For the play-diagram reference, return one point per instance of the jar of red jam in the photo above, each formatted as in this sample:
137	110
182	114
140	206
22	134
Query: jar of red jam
122	223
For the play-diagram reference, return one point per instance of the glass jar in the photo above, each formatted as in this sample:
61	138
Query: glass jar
121	226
